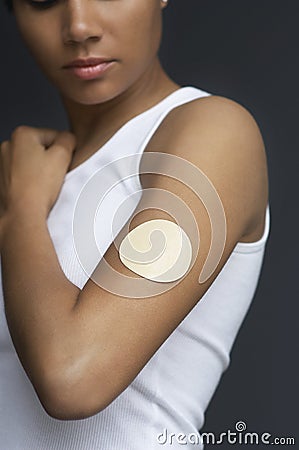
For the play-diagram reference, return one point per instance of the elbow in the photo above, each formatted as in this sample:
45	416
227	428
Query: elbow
73	400
60	408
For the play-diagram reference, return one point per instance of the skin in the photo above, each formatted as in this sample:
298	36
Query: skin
127	31
71	341
130	33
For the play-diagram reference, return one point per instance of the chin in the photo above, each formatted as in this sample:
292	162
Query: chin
91	92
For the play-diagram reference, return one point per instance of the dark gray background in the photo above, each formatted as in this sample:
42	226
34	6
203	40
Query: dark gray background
247	51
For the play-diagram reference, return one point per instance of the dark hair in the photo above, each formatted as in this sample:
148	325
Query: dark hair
8	4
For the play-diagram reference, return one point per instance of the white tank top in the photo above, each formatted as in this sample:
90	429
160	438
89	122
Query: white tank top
173	390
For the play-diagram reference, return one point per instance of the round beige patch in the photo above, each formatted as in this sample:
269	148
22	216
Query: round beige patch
158	250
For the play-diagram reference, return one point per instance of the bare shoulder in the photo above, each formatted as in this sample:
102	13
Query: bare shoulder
222	138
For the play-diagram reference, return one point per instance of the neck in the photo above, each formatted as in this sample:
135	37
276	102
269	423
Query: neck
92	123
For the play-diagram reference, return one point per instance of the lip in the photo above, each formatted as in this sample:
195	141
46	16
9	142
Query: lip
84	62
89	69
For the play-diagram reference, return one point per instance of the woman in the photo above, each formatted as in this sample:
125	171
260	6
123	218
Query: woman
97	352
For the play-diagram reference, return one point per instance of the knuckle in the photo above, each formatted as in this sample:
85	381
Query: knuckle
19	130
61	149
68	135
4	147
4	144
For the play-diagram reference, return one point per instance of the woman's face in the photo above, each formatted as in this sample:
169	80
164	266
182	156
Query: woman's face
57	32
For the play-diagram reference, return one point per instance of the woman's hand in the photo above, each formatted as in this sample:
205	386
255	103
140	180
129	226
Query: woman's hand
33	165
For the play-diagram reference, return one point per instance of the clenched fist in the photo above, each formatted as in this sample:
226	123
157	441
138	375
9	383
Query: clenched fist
33	165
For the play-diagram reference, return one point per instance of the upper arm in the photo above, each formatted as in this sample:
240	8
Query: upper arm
116	334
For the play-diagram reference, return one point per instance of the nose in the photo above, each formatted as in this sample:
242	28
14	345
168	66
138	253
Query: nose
80	22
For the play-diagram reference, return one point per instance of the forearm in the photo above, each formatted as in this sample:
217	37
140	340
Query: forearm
38	297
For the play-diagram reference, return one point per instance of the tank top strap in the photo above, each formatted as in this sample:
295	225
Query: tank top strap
131	140
134	135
